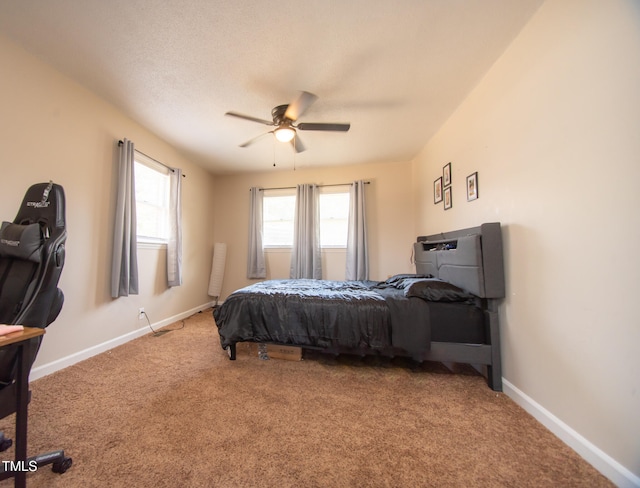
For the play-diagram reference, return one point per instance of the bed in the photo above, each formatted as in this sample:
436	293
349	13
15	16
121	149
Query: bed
446	311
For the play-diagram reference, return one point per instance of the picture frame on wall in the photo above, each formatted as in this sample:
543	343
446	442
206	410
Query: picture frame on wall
437	190
472	186
448	198
446	175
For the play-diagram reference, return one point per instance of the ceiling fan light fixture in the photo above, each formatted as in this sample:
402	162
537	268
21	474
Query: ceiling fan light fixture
284	134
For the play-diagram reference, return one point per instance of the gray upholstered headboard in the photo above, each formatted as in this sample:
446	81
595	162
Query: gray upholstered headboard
468	258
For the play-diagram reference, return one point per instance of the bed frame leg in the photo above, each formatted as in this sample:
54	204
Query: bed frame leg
494	370
231	351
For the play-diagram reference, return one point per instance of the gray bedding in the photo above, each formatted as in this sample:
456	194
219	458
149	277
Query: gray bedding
335	315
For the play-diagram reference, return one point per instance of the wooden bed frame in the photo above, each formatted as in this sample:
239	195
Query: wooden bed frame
472	260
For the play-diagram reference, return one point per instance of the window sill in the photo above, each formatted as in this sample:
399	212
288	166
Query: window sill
151	245
276	249
288	249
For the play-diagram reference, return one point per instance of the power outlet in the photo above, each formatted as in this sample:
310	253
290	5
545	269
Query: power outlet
141	313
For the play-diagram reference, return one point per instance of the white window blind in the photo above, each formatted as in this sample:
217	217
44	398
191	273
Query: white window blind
152	200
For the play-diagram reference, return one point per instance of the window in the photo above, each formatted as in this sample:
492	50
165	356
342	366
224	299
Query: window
152	200
278	212
334	217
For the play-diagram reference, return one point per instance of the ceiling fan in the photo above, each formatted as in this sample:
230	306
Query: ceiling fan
284	118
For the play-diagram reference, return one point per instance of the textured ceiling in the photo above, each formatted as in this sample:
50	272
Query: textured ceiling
394	69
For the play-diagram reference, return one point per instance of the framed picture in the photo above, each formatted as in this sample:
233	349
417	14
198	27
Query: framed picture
446	175
437	190
472	186
448	200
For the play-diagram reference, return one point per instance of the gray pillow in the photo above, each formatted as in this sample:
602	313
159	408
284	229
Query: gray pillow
436	290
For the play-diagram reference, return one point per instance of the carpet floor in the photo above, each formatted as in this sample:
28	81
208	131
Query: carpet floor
173	410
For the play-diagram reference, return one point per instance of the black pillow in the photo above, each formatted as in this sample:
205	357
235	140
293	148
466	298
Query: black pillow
20	241
436	290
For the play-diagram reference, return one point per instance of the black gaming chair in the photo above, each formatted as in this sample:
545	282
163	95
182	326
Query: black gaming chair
31	260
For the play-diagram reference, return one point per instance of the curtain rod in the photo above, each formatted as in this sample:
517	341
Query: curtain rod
154	160
319	186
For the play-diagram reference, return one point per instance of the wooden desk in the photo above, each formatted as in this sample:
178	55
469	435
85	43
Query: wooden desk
26	334
22	401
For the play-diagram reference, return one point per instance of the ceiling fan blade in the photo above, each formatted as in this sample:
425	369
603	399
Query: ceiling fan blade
248	117
251	141
300	105
297	144
329	127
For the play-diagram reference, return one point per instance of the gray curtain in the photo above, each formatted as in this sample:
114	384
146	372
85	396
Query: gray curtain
255	258
357	254
174	246
305	255
124	263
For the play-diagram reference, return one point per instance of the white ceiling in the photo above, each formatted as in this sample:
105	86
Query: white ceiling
394	69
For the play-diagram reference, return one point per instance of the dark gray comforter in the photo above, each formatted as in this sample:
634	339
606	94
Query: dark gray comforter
334	315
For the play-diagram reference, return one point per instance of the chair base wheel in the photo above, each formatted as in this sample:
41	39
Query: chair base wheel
5	443
62	466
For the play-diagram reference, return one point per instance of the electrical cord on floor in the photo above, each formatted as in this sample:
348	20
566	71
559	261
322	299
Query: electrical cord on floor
160	332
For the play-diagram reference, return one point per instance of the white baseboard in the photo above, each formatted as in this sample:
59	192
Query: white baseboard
595	456
58	364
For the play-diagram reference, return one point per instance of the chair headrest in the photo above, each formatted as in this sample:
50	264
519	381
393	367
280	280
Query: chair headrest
43	203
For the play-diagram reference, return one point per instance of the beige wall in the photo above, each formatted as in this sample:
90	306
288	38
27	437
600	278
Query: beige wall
553	131
52	128
389	218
